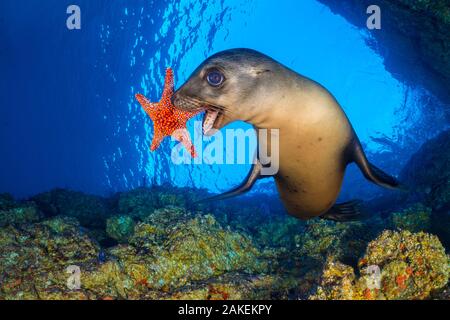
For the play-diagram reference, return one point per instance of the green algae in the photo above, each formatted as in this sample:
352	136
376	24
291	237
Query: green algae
412	266
415	218
120	227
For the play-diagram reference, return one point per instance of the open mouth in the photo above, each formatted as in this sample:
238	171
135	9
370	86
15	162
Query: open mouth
211	121
213	114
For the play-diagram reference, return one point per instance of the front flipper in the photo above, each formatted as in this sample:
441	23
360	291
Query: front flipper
246	185
346	211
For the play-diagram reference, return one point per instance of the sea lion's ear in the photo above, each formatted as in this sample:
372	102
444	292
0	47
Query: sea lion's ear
257	71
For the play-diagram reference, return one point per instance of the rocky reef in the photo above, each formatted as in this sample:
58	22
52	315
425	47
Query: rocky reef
427	175
415	218
89	210
146	244
411	266
169	253
16	213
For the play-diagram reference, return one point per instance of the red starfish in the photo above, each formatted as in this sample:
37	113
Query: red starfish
167	120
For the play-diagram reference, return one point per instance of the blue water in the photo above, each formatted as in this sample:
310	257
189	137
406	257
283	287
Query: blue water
68	117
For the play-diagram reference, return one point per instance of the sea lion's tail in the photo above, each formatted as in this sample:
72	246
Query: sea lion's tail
370	171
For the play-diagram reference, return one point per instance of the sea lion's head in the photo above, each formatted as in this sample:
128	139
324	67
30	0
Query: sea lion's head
229	86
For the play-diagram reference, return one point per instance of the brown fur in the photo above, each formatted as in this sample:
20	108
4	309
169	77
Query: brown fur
315	134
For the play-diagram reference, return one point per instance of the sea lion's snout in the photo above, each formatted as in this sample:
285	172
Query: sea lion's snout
213	114
189	96
185	103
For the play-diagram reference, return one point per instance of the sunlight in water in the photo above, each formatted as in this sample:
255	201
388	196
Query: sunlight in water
305	36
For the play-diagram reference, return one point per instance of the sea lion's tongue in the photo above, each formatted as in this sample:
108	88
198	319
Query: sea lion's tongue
208	121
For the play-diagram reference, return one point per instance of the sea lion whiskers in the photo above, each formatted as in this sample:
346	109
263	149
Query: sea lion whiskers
186	103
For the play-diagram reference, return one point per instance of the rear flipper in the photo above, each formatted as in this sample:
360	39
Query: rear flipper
371	172
346	211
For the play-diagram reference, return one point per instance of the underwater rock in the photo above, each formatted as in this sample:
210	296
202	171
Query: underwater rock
168	216
102	237
336	283
199	249
6	201
173	253
431	22
34	258
146	237
91	211
238	286
18	214
171	199
415	218
111	281
156	226
427	173
120	228
413	265
137	203
279	232
343	241
174	257
413	39
141	202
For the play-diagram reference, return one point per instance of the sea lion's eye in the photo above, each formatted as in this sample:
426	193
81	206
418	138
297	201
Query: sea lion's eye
215	78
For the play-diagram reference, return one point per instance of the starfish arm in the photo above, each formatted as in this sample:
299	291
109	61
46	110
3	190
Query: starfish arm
168	85
145	103
184	137
157	138
184	116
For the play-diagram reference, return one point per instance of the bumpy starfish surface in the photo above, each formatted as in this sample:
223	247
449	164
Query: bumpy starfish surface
168	120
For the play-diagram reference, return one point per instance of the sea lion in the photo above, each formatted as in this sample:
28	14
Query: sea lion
316	139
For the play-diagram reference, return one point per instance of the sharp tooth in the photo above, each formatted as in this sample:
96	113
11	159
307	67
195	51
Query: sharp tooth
208	121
